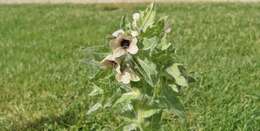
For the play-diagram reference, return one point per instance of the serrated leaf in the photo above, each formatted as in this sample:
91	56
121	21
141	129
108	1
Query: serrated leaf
150	43
126	97
127	107
149	69
130	127
175	72
164	44
174	87
94	108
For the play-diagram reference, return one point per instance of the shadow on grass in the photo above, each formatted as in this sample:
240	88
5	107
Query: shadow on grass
63	121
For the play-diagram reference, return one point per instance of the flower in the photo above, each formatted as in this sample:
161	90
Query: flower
110	62
123	75
118	32
126	76
123	43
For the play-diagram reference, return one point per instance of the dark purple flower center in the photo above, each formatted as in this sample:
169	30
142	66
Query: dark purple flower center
125	43
113	63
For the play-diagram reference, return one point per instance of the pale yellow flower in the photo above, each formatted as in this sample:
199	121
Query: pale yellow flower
123	44
123	75
126	76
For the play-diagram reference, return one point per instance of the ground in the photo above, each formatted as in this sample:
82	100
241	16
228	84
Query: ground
44	85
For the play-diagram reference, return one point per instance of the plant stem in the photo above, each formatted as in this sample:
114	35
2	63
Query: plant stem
140	119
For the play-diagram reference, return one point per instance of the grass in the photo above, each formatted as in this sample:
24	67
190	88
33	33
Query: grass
43	83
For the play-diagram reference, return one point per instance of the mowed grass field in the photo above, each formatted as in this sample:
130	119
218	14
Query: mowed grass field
43	79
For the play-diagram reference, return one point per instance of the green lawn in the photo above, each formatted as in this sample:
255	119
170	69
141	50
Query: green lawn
43	81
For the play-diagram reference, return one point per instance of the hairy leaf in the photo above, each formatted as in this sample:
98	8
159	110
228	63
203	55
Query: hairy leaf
155	30
126	97
130	127
175	72
150	43
164	44
94	108
149	69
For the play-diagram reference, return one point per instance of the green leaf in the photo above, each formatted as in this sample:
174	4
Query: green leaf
126	97
127	107
94	108
154	30
174	87
164	45
171	101
149	69
123	22
149	113
93	68
147	17
175	72
130	127
155	123
150	43
149	20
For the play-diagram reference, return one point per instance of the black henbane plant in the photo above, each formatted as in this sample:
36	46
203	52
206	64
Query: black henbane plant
142	61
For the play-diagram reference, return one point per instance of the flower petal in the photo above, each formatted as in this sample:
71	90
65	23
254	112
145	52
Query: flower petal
133	49
106	62
119	52
118	32
118	69
123	77
115	43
